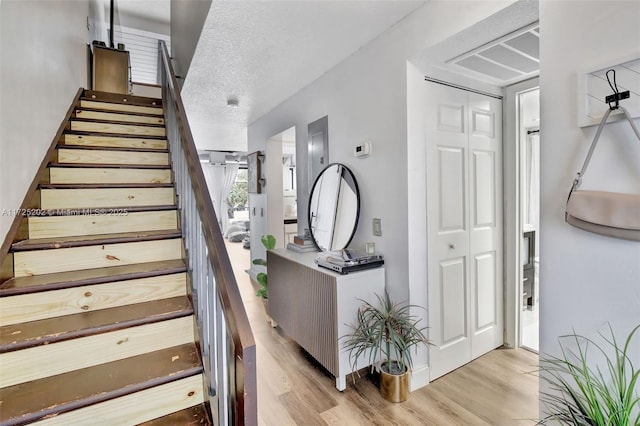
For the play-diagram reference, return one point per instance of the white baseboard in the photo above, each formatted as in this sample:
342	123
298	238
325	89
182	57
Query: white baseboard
419	378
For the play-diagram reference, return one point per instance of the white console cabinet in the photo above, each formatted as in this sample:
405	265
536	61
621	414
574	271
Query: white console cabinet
313	305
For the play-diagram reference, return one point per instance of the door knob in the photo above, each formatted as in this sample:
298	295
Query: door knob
452	246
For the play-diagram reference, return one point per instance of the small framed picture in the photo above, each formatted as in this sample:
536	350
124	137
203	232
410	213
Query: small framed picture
254	172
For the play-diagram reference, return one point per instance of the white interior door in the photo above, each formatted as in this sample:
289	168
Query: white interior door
464	221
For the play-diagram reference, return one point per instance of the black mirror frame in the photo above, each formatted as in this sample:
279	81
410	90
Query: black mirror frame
355	224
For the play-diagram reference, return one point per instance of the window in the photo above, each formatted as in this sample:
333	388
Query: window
238	200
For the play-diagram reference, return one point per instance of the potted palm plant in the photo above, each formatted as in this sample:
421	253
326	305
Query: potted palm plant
386	332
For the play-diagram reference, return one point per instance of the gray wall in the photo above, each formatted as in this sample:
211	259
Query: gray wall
187	20
365	98
586	280
43	54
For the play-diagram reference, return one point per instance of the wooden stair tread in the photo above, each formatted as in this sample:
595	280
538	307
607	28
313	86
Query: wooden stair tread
133	117
105	136
110	111
195	415
80	211
101	106
30	401
111	148
110	166
51	330
103	185
91	240
118	135
59	280
98	127
95	95
128	123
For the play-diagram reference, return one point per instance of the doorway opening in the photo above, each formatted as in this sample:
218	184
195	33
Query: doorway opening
281	187
528	124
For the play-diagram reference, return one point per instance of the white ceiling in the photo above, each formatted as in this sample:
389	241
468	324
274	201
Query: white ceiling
507	60
476	42
264	52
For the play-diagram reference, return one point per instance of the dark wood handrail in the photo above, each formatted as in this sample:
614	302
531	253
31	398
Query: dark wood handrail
234	311
12	233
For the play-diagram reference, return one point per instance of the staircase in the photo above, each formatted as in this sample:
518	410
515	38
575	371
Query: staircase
97	320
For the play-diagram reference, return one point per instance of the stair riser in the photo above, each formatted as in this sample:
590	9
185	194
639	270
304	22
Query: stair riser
113	116
81	156
57	358
113	141
97	175
69	301
39	262
138	407
126	129
105	198
121	107
65	226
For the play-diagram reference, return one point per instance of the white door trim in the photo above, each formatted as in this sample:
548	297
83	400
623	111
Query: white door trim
512	214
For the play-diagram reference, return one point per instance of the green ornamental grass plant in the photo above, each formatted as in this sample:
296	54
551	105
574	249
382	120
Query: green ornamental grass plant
581	394
386	332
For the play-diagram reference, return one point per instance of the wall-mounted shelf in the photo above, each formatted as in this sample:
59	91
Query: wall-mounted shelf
255	177
593	89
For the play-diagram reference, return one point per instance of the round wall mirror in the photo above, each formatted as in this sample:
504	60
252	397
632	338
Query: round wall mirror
334	207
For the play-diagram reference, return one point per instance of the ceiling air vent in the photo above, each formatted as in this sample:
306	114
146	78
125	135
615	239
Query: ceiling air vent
507	60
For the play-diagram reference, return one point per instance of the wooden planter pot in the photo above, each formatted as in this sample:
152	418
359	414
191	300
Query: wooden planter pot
394	387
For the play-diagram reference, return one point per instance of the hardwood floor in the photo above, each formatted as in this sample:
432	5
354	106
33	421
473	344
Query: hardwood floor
294	390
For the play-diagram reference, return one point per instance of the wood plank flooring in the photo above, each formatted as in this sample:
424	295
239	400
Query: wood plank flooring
294	390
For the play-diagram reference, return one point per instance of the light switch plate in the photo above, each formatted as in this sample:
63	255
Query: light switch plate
377	227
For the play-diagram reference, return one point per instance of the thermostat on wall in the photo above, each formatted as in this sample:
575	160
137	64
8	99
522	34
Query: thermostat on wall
362	150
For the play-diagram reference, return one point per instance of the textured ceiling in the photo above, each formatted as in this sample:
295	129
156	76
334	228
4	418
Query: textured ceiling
263	52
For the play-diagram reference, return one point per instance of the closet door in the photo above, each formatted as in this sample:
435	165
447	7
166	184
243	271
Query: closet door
447	228
463	222
485	223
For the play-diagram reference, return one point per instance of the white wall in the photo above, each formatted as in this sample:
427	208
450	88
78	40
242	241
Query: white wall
141	23
273	189
586	280
365	99
98	21
43	57
417	204
187	20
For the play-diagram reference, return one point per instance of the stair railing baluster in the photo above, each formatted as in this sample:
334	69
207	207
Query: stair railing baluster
212	323
201	282
226	342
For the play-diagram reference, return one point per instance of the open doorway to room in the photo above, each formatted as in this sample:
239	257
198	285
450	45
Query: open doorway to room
528	105
226	176
281	187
